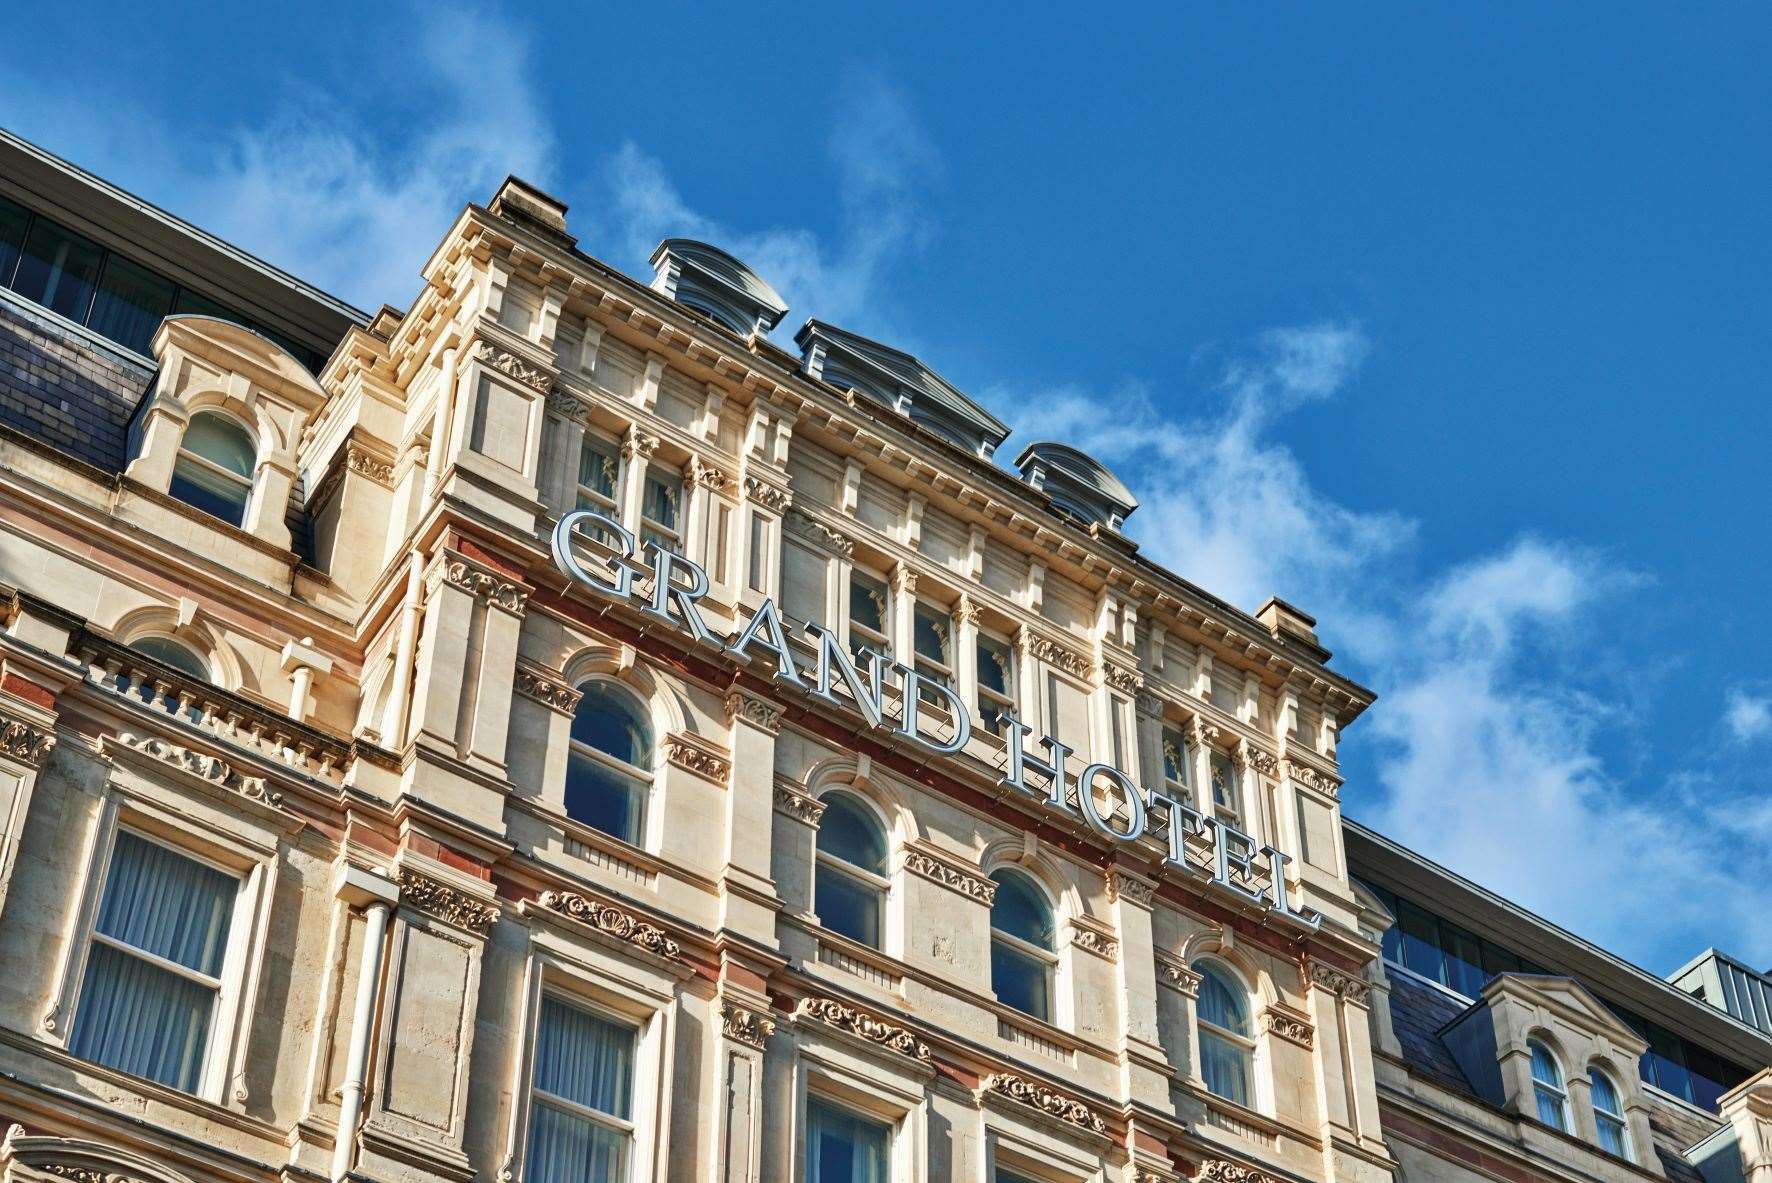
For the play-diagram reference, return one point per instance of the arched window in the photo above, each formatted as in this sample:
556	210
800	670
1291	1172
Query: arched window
1023	945
173	654
849	884
1547	1087
214	467
609	769
1608	1115
1227	1042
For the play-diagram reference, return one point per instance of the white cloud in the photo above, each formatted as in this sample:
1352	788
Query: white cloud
1748	716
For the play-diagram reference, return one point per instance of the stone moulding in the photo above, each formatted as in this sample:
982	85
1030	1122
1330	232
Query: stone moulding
77	1161
24	742
696	755
810	527
213	769
1339	982
759	712
1219	1170
749	1027
607	918
547	690
1047	1101
967	882
1310	778
1122	679
446	903
769	496
366	463
1289	1028
483	585
791	801
1094	941
1054	654
864	1026
512	366
1130	887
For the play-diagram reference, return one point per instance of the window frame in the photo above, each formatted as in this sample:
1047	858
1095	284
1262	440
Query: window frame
876	1088
1229	812
880	640
1249	1045
644	780
184	455
935	669
1049	959
1557	1090
1615	1117
987	697
652	529
879	885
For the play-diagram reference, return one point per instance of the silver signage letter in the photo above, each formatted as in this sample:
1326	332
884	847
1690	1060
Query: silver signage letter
914	683
1134	803
1311	920
1020	762
665	565
832	656
764	631
1241	860
568	562
1184	819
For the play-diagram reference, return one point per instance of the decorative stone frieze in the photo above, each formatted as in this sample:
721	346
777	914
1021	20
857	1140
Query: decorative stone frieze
484	585
1247	755
771	497
639	446
955	878
1056	655
1219	1170
366	463
1339	982
1038	1096
1177	976
707	476
696	755
446	903
797	805
1127	681
749	1027
568	405
864	1026
607	918
213	769
25	742
1123	885
1093	940
1289	1027
1310	778
759	712
553	694
512	366
1201	733
809	527
63	1170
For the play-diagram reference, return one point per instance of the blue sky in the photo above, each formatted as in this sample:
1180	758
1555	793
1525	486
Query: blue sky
1450	325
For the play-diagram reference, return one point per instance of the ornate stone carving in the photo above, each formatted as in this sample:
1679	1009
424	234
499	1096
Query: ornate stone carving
747	1026
638	446
1263	762
1095	942
483	585
512	366
1339	982
695	755
707	476
1149	704
612	920
1127	681
866	1026
1310	778
959	879
365	463
1289	1028
1122	885
759	712
797	805
1200	733
1054	654
1178	977
1028	1092
210	768
446	903
557	695
568	405
1218	1170
78	1174
812	528
25	743
770	497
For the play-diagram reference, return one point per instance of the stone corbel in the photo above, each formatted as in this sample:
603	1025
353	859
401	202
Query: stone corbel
699	756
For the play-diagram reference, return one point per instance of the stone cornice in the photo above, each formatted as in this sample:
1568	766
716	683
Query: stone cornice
1220	1170
864	1026
24	741
938	868
607	918
546	688
212	769
446	903
1048	1101
791	800
744	1024
1093	939
1339	982
1288	1026
481	582
757	711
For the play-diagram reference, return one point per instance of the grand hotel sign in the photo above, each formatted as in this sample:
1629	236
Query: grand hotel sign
677	584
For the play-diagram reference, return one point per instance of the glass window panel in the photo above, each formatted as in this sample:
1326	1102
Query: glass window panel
142	1019
602	798
930	629
166	904
611	721
585	1058
14	221
846	905
210	492
1667	1057
844	1147
1021	980
994	663
222	442
598	465
1021	910
849	832
1421	941
1464	960
1225	1067
173	654
1221	1000
1497	960
867	602
191	303
1224	782
58	269
566	1147
131	303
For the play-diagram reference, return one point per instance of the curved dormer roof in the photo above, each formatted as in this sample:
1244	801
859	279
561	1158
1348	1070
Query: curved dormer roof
900	381
1077	483
712	282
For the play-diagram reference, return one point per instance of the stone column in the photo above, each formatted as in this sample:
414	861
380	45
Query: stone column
1347	1088
748	901
636	455
902	626
27	738
1748	1109
1144	1067
269	505
965	654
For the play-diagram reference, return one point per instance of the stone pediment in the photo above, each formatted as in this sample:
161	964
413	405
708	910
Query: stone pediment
1566	998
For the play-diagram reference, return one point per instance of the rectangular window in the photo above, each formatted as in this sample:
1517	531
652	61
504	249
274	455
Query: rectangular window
581	1127
1227	802
153	971
845	1147
661	509
1421	942
869	610
933	641
58	269
14	221
996	683
756	580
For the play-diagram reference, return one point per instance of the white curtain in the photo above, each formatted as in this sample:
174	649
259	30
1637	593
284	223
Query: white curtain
137	1016
1225	1067
842	1147
587	1061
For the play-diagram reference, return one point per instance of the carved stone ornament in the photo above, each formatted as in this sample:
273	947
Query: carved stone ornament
483	585
639	447
1125	680
568	405
707	476
1178	977
1200	733
1289	1028
695	755
865	1026
512	366
747	1026
612	920
1056	655
1149	704
557	695
1310	778
77	1160
365	463
1339	982
63	1170
25	743
1263	762
1124	886
797	805
446	903
759	712
1094	942
1218	1170
967	883
808	527
1028	1092
210	768
770	497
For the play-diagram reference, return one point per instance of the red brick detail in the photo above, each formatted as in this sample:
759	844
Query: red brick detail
480	554
1449	1145
431	848
738	975
31	692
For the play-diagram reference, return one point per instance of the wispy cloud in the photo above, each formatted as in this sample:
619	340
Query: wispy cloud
1748	716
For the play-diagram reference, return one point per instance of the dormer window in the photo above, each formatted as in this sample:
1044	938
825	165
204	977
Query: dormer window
1547	1087
708	281
213	472
1609	1124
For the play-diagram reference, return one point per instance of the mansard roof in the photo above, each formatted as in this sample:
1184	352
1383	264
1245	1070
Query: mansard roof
900	381
707	279
1077	483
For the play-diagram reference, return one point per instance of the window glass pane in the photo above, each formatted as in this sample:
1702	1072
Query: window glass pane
848	831
169	905
1225	1067
847	906
131	303
1611	1132
568	1148
209	491
867	602
1464	960
1605	1096
1421	941
1021	980
602	798
142	1019
1544	1066
222	442
994	662
930	629
14	220
1221	1001
585	1058
662	500
1224	782
1667	1060
1020	909
58	269
173	654
1550	1109
1498	961
844	1147
190	302
610	720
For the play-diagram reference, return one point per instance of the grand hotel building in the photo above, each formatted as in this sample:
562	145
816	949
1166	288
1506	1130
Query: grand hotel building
347	830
